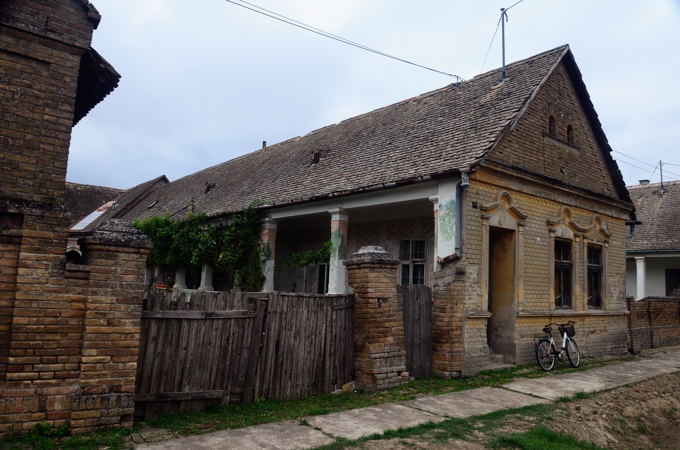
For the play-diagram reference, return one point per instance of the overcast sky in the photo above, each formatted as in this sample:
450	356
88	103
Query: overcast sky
207	81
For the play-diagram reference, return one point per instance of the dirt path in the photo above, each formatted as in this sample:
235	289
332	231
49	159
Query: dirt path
640	416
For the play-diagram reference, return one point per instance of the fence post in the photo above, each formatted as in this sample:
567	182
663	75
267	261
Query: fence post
379	346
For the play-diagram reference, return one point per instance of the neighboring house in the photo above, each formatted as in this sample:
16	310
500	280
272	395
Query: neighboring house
653	246
503	190
114	207
81	199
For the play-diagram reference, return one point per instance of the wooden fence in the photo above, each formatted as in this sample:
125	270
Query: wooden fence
201	347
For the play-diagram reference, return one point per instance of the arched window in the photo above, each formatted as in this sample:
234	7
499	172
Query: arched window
570	134
551	125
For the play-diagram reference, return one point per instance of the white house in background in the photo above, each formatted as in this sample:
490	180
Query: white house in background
653	248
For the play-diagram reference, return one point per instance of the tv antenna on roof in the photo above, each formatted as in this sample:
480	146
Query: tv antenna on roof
504	18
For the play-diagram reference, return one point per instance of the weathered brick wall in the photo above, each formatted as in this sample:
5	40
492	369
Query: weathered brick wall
68	334
41	43
654	323
448	342
379	341
520	166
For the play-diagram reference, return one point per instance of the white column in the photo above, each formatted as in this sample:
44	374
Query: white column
640	278
268	238
206	278
180	279
445	219
337	283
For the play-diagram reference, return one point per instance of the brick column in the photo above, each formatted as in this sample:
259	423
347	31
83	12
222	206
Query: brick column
379	346
116	257
448	352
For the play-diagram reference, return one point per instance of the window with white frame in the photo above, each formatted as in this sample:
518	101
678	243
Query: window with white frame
412	257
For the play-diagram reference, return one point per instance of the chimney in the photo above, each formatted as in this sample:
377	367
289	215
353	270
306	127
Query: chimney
644	182
264	144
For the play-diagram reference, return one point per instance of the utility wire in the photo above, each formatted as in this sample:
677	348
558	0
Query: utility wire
635	159
298	24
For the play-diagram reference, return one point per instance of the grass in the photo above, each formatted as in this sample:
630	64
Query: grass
539	438
221	417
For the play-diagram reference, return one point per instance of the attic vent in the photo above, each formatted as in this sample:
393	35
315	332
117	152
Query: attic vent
209	187
152	204
316	157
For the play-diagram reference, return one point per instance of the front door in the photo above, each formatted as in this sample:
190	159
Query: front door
501	326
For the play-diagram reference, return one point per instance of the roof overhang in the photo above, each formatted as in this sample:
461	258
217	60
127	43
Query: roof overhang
96	79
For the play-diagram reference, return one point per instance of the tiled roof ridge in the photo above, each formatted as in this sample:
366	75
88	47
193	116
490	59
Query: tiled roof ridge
651	185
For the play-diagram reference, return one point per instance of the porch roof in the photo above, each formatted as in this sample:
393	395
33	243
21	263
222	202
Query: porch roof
441	132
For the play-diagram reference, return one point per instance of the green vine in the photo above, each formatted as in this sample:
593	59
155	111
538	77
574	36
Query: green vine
308	257
192	242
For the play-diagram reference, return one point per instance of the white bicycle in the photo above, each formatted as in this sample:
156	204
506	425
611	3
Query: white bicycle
546	349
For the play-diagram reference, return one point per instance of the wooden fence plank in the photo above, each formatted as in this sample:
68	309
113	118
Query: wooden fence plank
197	347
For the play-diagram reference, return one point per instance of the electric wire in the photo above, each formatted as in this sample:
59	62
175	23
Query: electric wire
635	159
271	14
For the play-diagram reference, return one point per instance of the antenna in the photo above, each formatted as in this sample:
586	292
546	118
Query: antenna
504	15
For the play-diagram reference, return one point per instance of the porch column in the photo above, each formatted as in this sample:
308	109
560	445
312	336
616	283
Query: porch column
640	278
206	278
445	223
336	270
180	279
268	239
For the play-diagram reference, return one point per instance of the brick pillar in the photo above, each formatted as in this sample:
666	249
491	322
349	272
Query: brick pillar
379	346
116	258
448	351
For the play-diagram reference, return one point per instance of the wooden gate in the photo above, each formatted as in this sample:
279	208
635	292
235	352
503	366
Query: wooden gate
417	307
200	347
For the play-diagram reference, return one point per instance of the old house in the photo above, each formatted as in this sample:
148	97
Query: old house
653	246
69	333
498	193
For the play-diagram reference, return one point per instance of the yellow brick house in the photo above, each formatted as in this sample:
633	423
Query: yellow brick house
497	193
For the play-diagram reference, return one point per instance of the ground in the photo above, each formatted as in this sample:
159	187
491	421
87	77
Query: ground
640	416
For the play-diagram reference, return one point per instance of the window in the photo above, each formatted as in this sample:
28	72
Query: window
412	256
570	134
594	276
563	279
551	126
672	282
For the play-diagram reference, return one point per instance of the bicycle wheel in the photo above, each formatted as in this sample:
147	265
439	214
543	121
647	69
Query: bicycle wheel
573	353
544	355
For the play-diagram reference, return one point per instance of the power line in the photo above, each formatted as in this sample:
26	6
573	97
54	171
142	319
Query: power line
654	166
298	24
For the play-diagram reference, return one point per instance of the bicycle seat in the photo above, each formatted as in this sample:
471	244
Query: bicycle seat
547	330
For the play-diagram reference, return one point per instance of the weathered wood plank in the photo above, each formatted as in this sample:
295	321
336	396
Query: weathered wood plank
198	315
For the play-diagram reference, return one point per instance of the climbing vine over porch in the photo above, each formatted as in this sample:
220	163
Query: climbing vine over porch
196	240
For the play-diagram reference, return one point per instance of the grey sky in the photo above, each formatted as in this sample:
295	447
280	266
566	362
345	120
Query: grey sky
204	82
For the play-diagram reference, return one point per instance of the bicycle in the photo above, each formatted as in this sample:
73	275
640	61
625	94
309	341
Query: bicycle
546	350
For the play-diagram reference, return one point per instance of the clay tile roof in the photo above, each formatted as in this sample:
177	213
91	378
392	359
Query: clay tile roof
118	206
658	210
440	132
82	199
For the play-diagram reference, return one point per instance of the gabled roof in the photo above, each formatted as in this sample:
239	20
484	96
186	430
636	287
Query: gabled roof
658	210
441	132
